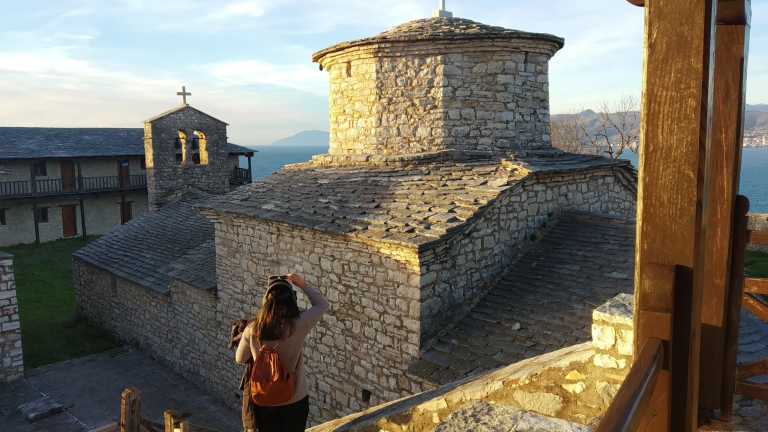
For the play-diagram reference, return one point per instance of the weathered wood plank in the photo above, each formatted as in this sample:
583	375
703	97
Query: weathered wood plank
733	317
753	391
732	12
724	163
756	286
130	410
674	136
753	369
758	238
758	308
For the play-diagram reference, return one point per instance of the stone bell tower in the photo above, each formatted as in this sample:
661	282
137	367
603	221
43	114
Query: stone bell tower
184	149
439	85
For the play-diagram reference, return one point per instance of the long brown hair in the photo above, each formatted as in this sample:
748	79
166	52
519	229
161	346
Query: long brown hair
278	312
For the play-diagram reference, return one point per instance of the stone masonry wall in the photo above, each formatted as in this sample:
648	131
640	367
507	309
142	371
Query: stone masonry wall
11	353
457	272
166	177
489	96
371	332
180	327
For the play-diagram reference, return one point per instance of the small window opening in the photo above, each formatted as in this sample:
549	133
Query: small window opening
42	215
126	212
348	70
40	169
199	148
181	148
3	221
143	164
366	396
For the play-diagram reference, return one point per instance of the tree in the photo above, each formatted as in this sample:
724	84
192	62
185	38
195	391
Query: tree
612	131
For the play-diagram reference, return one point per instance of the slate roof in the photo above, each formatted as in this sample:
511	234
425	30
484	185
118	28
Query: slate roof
441	28
43	142
412	205
544	302
151	250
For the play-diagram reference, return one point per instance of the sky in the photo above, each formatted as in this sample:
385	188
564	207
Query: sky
114	63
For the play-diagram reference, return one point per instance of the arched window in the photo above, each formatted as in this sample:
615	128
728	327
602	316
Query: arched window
181	148
199	148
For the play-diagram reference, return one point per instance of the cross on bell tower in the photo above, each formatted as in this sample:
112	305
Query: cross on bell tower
183	93
441	12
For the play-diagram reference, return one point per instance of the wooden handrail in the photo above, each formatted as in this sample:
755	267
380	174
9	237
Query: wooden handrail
630	404
758	238
756	286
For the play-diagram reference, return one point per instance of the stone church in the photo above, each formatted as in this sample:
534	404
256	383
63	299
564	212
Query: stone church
439	177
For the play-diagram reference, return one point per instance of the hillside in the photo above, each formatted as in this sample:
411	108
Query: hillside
310	138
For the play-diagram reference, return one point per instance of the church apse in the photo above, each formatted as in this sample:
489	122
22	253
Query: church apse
185	149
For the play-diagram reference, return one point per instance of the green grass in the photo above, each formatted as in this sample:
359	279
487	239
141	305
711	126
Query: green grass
757	264
50	330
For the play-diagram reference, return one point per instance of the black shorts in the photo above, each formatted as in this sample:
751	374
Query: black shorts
285	418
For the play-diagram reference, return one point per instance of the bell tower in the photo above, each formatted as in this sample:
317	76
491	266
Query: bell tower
185	148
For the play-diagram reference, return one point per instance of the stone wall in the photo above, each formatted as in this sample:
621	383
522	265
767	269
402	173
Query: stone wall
457	272
167	178
178	327
371	332
11	353
489	96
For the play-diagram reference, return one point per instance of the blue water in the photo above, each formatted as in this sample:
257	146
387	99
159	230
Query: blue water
754	168
754	177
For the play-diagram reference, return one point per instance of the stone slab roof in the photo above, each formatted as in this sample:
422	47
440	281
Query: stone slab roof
544	302
441	29
151	250
411	205
44	142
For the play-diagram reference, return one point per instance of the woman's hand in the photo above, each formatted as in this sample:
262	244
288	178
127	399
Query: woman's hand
296	280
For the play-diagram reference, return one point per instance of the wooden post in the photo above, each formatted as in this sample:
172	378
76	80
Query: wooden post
724	163
37	223
130	411
171	418
674	139
82	219
250	171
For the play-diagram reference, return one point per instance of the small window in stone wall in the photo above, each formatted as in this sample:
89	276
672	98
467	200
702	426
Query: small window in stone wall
199	148
366	396
181	147
348	70
3	220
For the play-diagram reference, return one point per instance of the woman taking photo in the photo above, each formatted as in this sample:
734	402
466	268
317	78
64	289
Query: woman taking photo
274	341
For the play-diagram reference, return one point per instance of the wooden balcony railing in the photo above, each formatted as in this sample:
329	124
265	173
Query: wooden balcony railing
240	176
75	185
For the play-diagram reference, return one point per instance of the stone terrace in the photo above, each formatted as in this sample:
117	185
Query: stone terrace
543	303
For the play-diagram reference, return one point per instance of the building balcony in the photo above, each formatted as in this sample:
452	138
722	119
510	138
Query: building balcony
70	186
240	176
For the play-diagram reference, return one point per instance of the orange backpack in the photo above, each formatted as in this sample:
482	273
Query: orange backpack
271	383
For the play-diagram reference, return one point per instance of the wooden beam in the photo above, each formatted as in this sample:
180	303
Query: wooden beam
723	168
733	314
674	129
130	410
756	286
758	238
758	308
730	12
681	399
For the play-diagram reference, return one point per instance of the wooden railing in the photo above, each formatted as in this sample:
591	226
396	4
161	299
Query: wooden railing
240	176
753	300
630	405
132	421
49	187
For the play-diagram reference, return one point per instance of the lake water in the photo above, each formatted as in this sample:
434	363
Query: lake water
754	168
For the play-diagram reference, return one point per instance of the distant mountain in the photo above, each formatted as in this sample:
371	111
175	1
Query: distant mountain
757	108
310	138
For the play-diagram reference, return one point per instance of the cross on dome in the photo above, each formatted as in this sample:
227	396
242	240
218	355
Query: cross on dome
183	93
441	12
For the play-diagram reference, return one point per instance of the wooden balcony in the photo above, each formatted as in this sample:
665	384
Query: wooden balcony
240	176
76	186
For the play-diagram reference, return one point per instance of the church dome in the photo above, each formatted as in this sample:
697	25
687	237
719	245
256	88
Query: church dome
441	29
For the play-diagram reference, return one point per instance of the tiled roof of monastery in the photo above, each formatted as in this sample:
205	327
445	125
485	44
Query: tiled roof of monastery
44	142
544	302
412	205
175	242
441	29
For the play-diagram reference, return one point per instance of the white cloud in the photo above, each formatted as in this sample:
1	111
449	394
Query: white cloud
78	12
242	9
256	72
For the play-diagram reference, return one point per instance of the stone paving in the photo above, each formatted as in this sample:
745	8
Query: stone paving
543	303
90	388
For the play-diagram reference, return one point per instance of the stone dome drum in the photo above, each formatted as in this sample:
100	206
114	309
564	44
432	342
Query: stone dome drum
438	85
